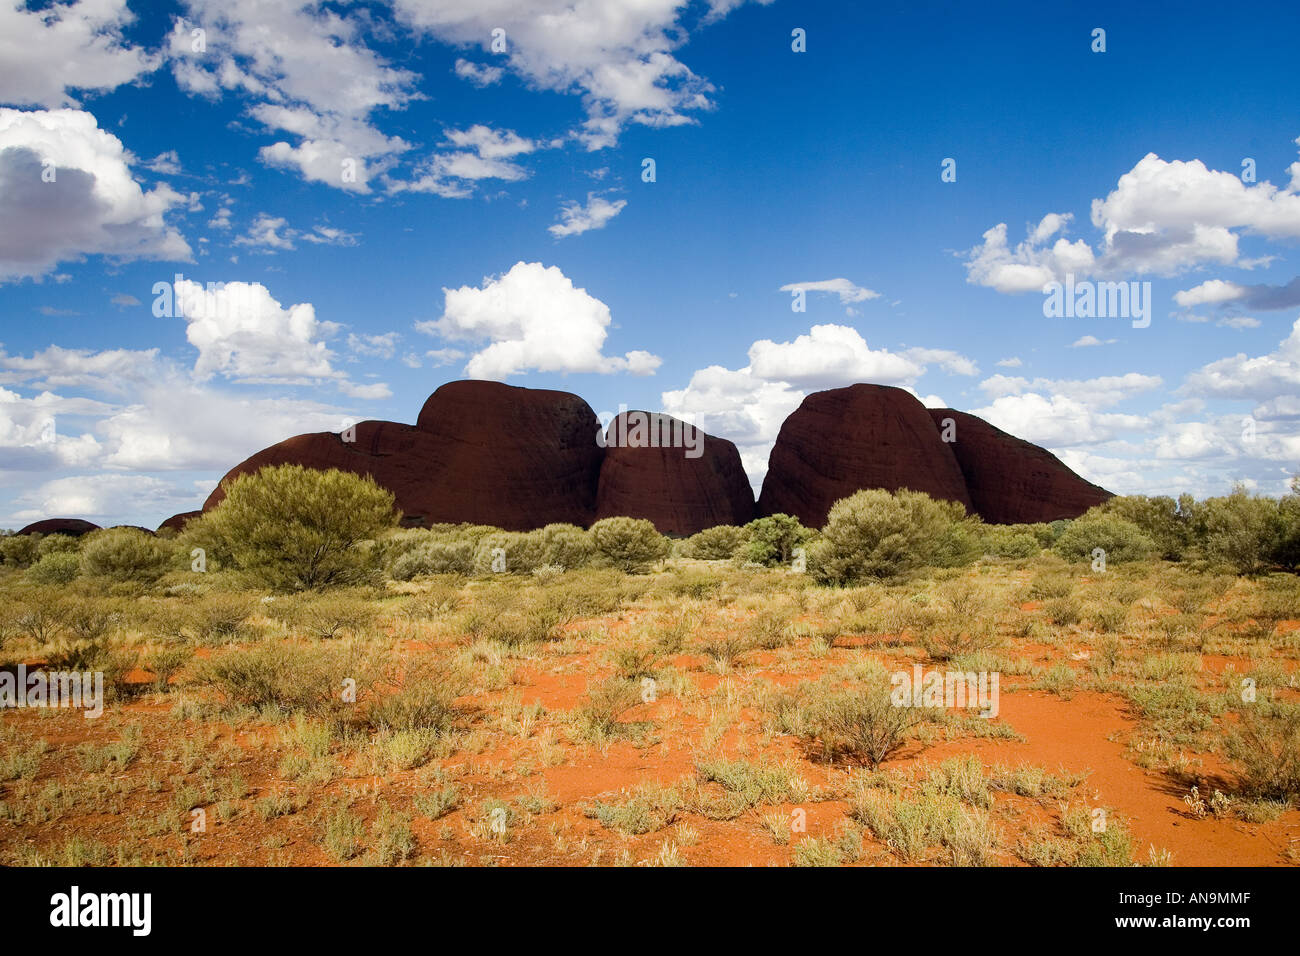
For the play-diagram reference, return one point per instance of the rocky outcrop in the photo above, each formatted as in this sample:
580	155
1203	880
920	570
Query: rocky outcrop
75	527
178	522
481	452
1012	481
846	439
671	473
521	458
517	458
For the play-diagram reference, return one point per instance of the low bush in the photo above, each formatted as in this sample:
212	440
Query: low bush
1004	541
124	554
19	550
772	541
881	534
1168	523
57	567
434	557
720	543
1267	751
859	723
1240	530
1121	540
293	528
629	544
58	544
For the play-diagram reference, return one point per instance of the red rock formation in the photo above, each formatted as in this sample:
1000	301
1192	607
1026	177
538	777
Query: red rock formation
673	474
846	439
482	452
521	458
517	458
75	527
179	521
1012	481
396	456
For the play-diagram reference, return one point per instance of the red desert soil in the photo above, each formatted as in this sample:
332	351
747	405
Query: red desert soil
1086	733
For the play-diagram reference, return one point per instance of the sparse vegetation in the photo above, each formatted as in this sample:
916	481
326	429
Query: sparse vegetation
413	710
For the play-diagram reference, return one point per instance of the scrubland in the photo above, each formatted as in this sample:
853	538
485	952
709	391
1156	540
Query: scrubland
355	693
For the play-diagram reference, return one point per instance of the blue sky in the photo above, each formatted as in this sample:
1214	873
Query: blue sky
498	225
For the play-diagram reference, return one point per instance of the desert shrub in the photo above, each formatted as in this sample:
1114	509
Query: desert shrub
294	679
164	662
1162	519
525	624
860	725
565	546
1267	751
719	543
39	617
19	550
423	698
771	629
57	567
1121	540
959	544
217	618
515	552
434	557
1287	549
291	528
1003	541
772	540
592	592
58	544
327	616
1240	530
124	554
93	619
629	544
607	700
390	547
878	534
1055	529
1041	531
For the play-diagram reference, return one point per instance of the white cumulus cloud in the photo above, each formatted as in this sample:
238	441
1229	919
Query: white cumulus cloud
534	319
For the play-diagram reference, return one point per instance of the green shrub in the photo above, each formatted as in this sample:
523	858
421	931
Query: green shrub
289	527
20	550
57	567
58	544
719	543
1162	519
1287	550
1121	540
861	723
1267	750
1241	530
434	557
566	546
1003	541
773	540
879	534
327	616
291	678
629	544
124	554
511	552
